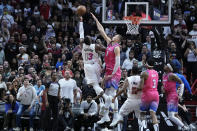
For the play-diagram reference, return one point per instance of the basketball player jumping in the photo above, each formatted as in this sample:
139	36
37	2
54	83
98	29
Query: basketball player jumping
169	84
148	84
91	60
131	84
112	72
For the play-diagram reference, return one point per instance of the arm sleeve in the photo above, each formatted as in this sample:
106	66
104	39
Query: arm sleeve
81	30
181	90
187	86
117	65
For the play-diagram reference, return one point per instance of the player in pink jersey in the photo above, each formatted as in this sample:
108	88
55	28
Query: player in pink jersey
112	72
149	82
169	87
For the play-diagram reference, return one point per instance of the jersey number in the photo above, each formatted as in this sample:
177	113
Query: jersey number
88	56
154	83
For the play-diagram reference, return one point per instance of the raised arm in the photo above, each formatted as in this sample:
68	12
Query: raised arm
81	31
101	29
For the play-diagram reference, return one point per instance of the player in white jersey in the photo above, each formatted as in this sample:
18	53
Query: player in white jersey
91	60
131	84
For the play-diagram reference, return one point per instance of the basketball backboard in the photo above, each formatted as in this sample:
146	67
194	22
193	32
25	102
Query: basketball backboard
153	11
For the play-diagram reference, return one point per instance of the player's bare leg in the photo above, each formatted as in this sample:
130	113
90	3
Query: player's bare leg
154	119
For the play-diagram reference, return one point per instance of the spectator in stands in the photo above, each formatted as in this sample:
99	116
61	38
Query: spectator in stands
78	78
148	43
128	63
144	51
68	87
5	4
193	34
52	101
11	108
2	54
174	51
191	55
27	97
7	71
88	113
14	88
45	10
142	63
66	116
27	10
130	46
11	51
22	56
3	88
39	89
7	17
59	64
176	62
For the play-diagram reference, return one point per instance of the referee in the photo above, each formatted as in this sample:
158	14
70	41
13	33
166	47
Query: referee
52	100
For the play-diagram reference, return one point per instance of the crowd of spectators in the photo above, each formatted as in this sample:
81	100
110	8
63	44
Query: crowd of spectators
39	41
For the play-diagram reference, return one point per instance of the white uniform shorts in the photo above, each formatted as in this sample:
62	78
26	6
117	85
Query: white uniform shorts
92	73
130	105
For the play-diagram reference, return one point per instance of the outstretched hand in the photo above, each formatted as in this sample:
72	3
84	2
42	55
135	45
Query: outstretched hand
93	16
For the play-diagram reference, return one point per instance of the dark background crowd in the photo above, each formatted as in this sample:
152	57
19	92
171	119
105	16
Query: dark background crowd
40	37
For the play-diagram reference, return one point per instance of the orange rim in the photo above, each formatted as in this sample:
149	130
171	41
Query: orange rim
135	19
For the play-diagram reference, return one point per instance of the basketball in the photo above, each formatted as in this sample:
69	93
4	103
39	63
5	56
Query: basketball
81	10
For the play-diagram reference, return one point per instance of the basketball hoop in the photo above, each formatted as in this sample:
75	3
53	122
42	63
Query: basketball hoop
132	24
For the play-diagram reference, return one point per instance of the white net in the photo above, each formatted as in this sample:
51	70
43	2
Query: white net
132	28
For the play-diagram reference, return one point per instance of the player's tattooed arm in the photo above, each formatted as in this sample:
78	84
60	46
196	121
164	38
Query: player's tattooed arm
125	85
175	78
100	48
143	76
101	29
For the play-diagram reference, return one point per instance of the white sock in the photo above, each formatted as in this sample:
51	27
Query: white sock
144	124
176	121
156	127
140	125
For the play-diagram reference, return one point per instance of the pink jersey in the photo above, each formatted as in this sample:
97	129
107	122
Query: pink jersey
169	87
110	59
151	83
